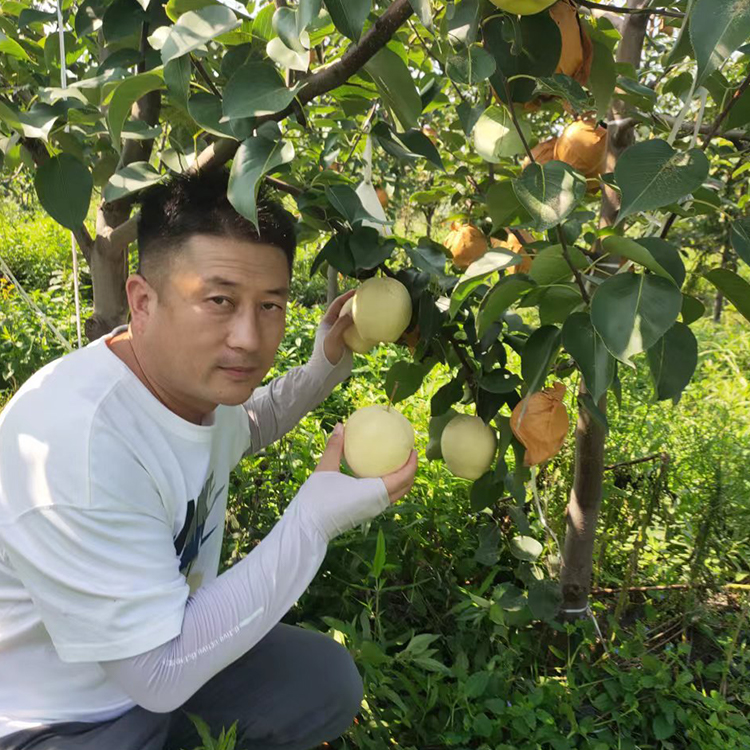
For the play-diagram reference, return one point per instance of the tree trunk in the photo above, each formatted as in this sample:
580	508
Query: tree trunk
582	513
333	285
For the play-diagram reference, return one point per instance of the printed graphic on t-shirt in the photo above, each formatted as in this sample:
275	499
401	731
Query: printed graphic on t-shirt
193	534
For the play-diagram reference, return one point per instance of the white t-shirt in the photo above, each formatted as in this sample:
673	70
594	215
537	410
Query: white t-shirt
129	500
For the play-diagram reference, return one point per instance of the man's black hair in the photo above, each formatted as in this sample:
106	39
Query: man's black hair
196	203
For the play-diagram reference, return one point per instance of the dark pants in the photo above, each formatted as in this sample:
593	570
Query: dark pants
292	691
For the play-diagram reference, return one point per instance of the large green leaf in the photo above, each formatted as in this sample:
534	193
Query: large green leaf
524	51
470	66
307	12
631	312
206	110
285	25
11	47
652	174
603	78
255	89
537	356
124	96
692	309
584	344
495	136
503	205
64	187
717	29
423	9
500	298
741	238
477	272
404	379
255	157
672	360
550	192
667	255
734	288
395	85
177	79
195	28
131	179
632	250
550	266
349	16
37	122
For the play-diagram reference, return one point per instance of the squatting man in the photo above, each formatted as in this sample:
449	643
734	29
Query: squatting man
114	467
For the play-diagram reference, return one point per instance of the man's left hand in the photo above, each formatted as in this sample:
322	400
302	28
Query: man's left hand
333	344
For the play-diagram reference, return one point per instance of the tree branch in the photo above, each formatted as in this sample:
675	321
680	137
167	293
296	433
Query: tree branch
631	11
569	261
707	140
222	150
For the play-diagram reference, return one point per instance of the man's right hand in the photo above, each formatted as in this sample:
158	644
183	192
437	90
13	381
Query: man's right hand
398	483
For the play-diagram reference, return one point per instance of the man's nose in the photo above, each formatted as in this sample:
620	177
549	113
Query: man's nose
244	332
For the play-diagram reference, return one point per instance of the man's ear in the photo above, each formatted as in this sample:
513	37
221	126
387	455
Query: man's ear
142	298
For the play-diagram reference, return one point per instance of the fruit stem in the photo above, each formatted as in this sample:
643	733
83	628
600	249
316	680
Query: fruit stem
393	393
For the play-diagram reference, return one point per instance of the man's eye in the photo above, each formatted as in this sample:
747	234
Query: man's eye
272	306
219	300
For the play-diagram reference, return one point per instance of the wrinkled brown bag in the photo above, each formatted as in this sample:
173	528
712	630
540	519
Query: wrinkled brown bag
544	426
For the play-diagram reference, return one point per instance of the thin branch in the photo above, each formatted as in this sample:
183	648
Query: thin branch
513	115
631	11
727	109
652	457
707	140
198	65
437	60
361	131
569	261
284	186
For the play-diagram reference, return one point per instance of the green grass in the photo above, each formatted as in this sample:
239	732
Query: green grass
434	606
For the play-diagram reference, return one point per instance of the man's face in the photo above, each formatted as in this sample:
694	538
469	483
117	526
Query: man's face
213	330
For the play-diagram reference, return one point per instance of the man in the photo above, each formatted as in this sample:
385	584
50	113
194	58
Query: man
114	463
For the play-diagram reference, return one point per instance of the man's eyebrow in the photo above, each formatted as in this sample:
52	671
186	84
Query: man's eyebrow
281	291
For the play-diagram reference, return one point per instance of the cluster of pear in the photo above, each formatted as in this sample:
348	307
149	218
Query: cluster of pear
467	243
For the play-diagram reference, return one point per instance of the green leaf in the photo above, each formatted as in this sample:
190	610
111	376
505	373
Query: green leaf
255	157
64	187
545	598
741	238
537	356
499	381
37	122
734	288
379	559
672	361
603	78
287	58
255	89
307	12
175	8
500	298
692	309
416	142
177	79
550	192
663	727
122	19
717	29
423	10
584	344
11	47
632	250
406	378
566	88
470	66
433	452
285	25
631	312
206	110
196	27
124	96
522	60
477	272
525	548
485	492
550	266
131	179
32	15
652	174
495	136
395	84
349	16
503	205
558	302
667	255
348	204
587	402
